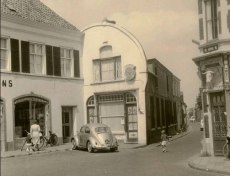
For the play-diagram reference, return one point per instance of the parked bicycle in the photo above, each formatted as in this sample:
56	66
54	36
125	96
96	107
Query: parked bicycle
43	140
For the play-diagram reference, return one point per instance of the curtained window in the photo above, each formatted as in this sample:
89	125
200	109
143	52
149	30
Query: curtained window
36	58
4	53
66	62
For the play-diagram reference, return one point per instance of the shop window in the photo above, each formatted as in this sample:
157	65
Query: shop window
4	54
37	58
66	62
130	98
111	98
211	19
27	109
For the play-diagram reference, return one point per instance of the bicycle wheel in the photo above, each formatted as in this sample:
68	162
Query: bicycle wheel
53	139
225	150
41	142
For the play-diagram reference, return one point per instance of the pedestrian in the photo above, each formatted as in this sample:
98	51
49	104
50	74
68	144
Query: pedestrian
35	133
164	139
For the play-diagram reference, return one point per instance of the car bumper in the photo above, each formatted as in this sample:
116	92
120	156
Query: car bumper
105	147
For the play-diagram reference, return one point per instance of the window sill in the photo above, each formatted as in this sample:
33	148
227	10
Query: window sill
39	75
108	82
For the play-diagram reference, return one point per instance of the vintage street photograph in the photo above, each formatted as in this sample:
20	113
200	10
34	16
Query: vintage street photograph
115	88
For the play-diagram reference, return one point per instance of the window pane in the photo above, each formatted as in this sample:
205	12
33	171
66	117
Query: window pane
3	64
62	67
39	49
3	54
32	69
62	52
68	53
107	70
38	64
68	64
96	68
3	43
32	48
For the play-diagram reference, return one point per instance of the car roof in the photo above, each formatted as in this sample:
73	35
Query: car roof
95	125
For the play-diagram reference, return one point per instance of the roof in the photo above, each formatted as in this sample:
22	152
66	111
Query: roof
36	11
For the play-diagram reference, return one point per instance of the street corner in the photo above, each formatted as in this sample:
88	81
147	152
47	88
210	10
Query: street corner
218	165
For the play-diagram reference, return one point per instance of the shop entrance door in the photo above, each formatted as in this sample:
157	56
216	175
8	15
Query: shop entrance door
219	120
131	123
67	123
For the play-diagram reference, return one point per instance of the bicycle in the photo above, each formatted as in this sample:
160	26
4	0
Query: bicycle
52	141
226	149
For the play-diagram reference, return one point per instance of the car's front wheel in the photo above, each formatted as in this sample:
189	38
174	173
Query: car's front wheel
89	147
113	149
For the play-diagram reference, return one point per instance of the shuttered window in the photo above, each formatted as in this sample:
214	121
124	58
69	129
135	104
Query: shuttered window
228	20
76	64
49	60
228	2
25	56
201	29
57	61
15	63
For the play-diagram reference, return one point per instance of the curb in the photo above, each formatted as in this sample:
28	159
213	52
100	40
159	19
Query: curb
197	167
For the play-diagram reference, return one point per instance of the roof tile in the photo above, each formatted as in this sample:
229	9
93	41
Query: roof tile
34	10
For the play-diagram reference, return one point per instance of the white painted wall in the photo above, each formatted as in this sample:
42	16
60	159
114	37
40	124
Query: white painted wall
124	45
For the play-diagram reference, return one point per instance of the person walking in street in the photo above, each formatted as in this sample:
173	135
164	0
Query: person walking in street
35	133
164	140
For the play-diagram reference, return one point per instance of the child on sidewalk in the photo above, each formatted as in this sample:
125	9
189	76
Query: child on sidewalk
164	140
29	143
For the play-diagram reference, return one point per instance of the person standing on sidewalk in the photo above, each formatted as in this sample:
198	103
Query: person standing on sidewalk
35	133
164	139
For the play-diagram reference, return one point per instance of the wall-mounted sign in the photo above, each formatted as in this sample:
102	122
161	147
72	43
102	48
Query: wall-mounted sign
210	48
130	72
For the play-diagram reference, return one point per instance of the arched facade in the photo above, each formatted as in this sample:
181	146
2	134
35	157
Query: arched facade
114	80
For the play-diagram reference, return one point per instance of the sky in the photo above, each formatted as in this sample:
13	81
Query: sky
165	29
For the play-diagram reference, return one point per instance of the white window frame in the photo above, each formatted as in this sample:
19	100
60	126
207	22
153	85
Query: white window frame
117	74
65	58
8	54
211	23
43	56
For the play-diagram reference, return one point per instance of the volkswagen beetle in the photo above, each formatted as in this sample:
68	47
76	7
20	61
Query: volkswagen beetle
94	137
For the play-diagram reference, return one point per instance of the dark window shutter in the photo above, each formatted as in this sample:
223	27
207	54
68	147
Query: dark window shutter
201	29
25	56
49	60
228	1
57	61
219	22
76	63
15	63
228	20
200	6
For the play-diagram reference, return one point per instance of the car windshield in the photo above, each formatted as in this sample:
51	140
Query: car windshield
102	130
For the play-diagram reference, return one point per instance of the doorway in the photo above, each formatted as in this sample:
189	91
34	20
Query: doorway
219	121
67	123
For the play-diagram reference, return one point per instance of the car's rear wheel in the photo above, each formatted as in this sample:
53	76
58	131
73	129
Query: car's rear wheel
89	147
113	149
74	146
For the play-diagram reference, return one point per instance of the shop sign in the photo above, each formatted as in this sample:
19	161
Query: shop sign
210	48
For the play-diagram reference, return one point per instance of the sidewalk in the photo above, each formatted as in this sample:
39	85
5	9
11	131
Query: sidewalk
63	147
68	146
219	165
